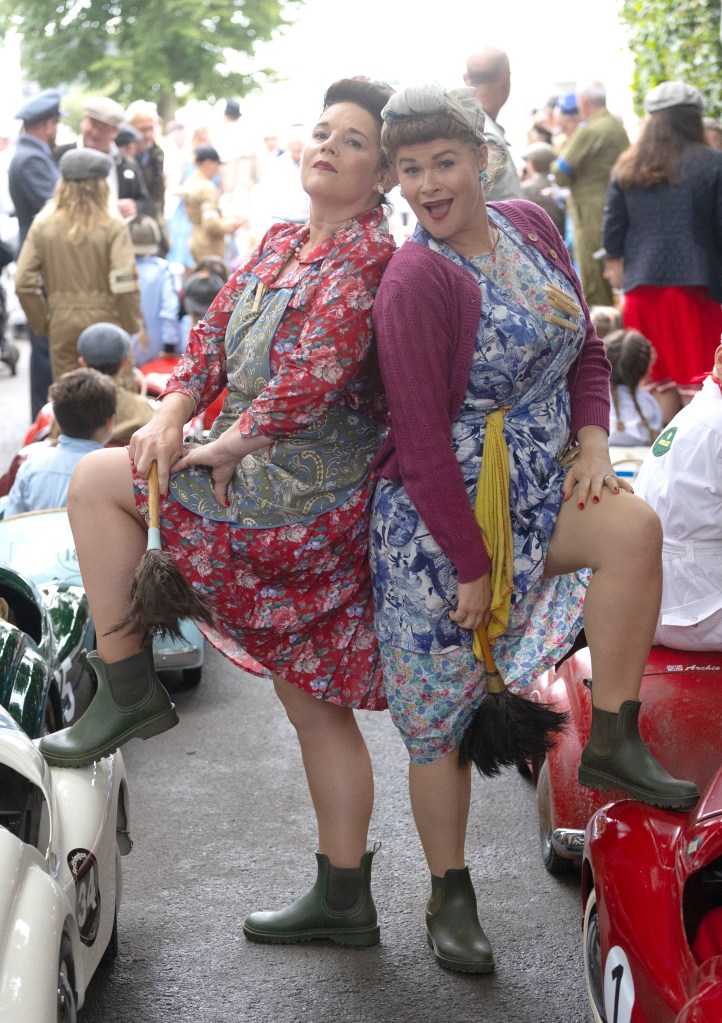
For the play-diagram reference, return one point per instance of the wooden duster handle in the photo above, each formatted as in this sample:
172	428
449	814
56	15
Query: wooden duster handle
486	648
494	681
153	508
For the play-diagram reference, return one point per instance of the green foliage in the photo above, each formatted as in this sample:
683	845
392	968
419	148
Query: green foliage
675	39
154	49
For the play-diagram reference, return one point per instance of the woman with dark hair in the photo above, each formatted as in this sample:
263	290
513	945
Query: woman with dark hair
268	520
490	361
662	231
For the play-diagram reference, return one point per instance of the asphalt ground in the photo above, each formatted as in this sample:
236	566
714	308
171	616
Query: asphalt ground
222	825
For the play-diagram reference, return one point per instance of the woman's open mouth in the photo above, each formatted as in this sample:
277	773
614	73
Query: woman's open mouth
438	210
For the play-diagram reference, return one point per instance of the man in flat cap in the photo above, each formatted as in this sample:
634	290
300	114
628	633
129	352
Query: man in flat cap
102	117
32	176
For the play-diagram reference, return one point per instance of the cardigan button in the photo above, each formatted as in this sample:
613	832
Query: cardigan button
533	237
553	253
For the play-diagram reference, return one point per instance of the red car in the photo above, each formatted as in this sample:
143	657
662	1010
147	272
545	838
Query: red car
652	891
680	720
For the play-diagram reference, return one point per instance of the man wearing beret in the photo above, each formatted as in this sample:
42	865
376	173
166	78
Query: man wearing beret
32	176
102	117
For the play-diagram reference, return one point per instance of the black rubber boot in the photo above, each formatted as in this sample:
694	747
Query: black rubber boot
452	925
338	908
616	758
129	703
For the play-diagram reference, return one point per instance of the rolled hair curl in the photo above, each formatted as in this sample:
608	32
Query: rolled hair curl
422	113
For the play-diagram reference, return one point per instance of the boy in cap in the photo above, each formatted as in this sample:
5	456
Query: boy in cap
84	405
106	348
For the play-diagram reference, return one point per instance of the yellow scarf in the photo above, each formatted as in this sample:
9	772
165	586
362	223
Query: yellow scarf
491	511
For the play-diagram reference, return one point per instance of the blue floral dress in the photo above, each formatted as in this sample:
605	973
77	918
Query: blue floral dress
521	360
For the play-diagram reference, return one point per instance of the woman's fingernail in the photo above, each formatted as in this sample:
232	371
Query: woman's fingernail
596	500
616	490
581	506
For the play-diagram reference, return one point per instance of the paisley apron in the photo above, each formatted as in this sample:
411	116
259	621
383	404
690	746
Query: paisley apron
298	477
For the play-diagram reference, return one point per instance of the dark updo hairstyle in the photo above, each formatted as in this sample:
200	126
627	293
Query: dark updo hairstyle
371	96
630	354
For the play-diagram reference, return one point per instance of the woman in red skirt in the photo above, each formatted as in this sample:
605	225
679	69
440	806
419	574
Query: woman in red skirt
662	235
269	520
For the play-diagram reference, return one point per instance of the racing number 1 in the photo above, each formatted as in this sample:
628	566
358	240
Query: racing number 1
617	974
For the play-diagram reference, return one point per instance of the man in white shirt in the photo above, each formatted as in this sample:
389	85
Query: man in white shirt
681	478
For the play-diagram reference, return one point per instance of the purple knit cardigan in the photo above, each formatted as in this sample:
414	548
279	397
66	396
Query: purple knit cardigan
426	314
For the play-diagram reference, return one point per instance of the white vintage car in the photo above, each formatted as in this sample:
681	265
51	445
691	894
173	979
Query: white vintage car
62	833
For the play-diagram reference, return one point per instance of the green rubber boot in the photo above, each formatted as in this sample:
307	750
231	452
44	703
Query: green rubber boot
452	925
616	758
338	908
129	703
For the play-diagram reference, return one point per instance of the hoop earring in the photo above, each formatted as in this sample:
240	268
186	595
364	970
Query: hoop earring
484	176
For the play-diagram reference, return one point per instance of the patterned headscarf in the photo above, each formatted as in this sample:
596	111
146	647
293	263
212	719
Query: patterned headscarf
418	100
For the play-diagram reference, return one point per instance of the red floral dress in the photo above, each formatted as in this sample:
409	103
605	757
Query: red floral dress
296	596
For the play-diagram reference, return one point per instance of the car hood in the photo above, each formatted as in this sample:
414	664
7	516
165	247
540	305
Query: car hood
21	754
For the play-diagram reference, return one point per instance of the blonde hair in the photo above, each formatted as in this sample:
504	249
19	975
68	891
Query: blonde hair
630	354
83	203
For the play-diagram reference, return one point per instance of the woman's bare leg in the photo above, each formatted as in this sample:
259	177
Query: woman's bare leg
440	796
110	540
338	769
620	539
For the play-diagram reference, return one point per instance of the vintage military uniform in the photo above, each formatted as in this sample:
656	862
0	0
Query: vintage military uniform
584	166
64	286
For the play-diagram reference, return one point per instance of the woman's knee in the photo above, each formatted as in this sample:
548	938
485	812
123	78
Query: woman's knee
636	532
307	713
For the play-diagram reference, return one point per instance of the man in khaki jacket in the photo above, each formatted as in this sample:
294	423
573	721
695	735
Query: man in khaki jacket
201	199
584	166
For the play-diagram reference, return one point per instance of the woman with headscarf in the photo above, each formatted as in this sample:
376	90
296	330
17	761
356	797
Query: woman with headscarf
486	348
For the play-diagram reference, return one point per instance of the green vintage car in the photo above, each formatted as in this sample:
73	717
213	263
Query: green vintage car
46	630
